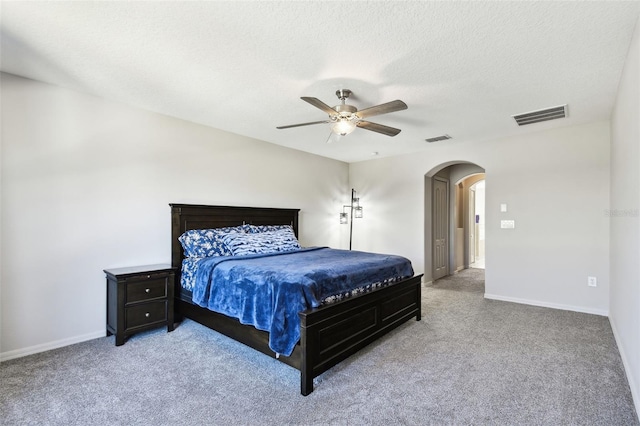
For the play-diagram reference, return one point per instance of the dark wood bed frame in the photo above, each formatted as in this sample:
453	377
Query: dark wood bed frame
328	334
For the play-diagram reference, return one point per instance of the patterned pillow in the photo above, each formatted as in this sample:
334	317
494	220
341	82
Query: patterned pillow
262	243
207	242
255	229
189	269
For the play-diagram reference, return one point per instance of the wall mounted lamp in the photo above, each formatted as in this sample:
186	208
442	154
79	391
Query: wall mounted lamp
354	211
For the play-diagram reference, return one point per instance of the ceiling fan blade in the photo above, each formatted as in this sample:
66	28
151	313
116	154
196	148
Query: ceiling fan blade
303	124
319	104
386	108
375	127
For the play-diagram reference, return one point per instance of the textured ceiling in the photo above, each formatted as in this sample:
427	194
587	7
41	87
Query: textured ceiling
463	68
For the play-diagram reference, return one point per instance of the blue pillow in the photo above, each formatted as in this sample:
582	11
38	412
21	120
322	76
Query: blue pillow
189	269
255	229
266	242
207	242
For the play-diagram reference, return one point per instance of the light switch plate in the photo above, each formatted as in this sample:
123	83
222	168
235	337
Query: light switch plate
507	224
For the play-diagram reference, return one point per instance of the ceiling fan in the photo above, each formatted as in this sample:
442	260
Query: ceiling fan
345	118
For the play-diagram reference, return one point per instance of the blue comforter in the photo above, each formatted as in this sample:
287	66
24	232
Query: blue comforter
268	291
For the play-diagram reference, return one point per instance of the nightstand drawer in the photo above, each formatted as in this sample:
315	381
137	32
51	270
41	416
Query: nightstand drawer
147	289
145	314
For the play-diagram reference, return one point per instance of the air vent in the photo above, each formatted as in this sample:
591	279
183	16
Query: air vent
438	138
541	115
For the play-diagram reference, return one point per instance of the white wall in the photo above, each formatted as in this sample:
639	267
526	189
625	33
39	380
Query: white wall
556	185
86	185
625	217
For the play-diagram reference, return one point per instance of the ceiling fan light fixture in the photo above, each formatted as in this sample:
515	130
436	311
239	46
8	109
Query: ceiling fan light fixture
343	126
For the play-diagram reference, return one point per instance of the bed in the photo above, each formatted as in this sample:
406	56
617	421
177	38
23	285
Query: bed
329	333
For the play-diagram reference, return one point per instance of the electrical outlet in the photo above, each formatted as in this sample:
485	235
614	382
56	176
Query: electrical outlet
592	282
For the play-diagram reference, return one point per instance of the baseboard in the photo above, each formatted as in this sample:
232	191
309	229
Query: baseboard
18	353
424	281
635	390
604	313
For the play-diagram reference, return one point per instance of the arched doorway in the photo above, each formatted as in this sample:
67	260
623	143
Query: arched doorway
445	235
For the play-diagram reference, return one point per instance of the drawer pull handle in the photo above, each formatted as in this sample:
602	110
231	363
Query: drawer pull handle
146	290
147	315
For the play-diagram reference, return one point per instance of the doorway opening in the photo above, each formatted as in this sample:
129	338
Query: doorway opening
476	225
454	219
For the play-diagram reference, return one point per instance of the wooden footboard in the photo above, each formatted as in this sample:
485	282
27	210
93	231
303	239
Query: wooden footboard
334	332
328	334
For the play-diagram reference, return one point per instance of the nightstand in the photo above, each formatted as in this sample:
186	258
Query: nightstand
139	298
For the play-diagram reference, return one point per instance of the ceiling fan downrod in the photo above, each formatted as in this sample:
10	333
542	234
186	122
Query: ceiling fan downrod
343	94
344	110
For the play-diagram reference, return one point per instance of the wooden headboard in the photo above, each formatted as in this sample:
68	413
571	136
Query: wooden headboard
189	216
